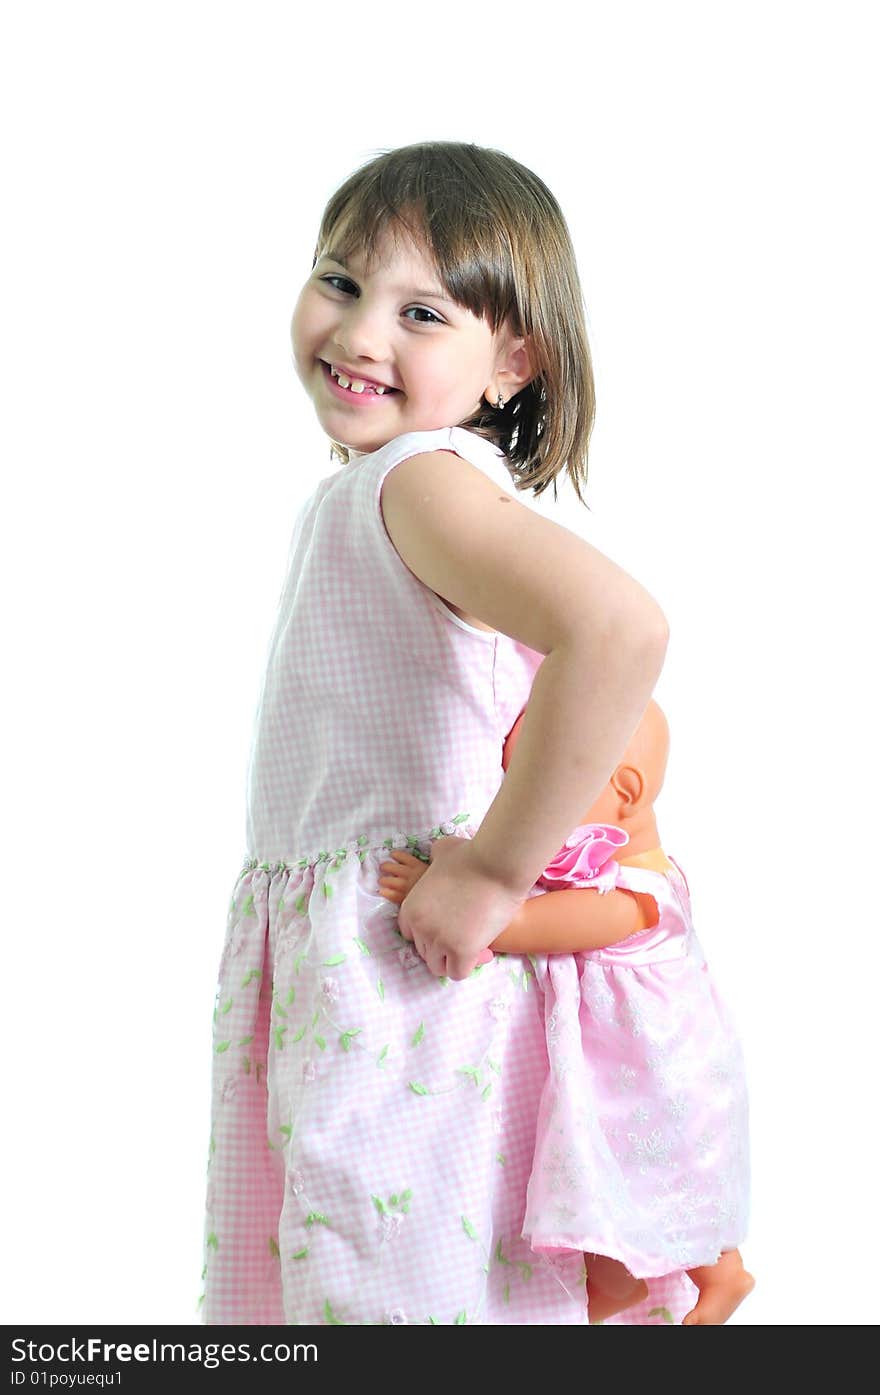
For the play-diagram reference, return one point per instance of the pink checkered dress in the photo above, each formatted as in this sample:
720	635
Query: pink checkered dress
373	1127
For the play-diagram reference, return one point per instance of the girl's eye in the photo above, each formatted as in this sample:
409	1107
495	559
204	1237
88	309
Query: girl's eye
338	278
413	309
423	310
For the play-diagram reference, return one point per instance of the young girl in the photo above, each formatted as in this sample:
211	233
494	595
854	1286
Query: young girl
375	1105
642	1147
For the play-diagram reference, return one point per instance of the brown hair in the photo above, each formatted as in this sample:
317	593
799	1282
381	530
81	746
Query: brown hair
503	251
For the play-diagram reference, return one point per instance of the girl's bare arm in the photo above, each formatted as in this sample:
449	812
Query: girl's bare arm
603	636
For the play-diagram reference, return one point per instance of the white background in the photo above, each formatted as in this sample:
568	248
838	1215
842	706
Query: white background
164	168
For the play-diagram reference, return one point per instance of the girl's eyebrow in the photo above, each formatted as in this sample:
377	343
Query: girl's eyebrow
332	256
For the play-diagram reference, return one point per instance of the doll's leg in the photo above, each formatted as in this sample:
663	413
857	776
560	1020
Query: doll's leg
723	1286
610	1287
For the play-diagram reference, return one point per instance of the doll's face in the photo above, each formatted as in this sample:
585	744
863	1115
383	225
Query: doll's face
391	325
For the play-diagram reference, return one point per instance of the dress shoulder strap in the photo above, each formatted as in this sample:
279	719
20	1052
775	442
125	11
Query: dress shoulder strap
475	449
668	888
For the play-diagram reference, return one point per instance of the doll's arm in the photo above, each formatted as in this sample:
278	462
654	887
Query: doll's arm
562	922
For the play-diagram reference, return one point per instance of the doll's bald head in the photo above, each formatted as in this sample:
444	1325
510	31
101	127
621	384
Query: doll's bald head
647	752
636	780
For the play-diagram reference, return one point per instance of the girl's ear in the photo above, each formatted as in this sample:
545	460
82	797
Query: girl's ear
516	368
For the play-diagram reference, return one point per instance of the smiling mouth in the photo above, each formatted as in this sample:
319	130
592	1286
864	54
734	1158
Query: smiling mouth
357	387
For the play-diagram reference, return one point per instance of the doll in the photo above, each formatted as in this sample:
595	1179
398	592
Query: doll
641	1159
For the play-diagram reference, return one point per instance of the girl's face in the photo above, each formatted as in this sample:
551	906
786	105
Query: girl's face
393	328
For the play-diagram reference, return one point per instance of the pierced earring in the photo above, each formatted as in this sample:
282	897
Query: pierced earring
500	403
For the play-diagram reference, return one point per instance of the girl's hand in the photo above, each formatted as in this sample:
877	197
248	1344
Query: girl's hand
455	910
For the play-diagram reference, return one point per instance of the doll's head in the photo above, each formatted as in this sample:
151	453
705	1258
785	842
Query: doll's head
627	800
492	242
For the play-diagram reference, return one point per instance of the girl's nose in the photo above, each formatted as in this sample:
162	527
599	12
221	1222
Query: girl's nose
360	332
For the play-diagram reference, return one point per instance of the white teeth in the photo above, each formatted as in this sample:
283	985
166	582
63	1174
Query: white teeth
355	384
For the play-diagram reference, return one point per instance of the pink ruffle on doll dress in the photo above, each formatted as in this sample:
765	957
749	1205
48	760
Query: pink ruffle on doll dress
642	1141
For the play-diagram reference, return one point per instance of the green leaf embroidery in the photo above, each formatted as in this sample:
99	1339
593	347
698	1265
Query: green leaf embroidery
663	1313
471	1072
316	1016
460	818
212	1241
380	1059
524	1269
364	948
300	1034
461	1319
418	1089
433	1321
330	1316
337	959
487	1092
226	1006
500	1158
250	976
468	1228
418	1034
291	994
345	1038
298	961
316	1218
300	903
279	1008
443	981
273	1247
500	1255
319	1041
380	989
301	1254
287	1130
494	1066
279	1037
222	1046
406	1196
328	890
507	1293
245	1041
248	907
379	1205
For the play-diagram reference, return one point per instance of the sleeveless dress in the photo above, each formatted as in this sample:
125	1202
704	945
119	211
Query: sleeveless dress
373	1127
642	1139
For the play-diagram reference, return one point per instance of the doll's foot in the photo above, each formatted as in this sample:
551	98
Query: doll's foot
720	1295
399	874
